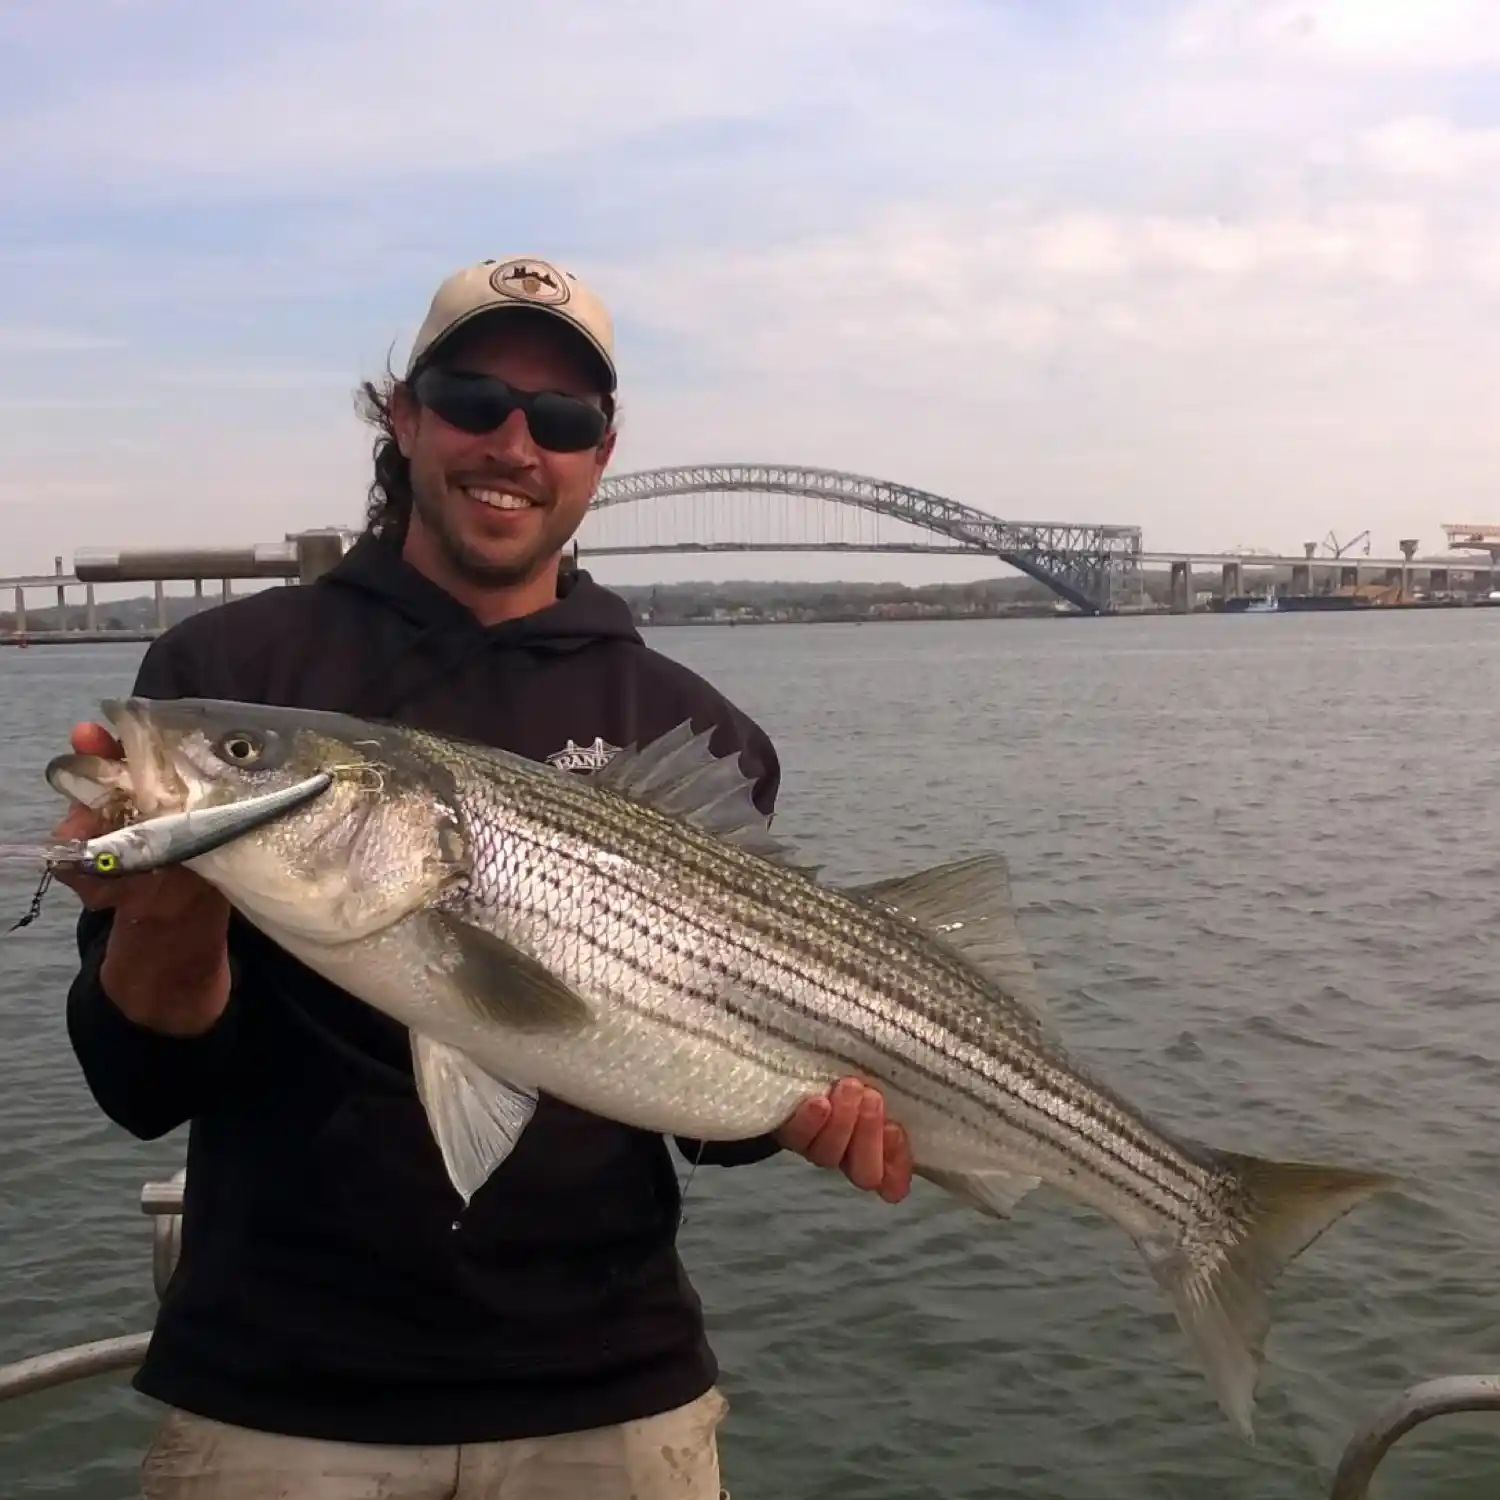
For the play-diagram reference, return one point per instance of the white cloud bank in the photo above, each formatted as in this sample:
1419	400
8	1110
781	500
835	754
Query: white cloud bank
1226	270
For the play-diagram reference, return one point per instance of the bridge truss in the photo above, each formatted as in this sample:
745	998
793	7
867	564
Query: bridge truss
1091	566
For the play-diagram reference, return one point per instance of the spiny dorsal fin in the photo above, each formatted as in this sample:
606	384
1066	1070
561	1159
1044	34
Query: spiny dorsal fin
679	775
968	904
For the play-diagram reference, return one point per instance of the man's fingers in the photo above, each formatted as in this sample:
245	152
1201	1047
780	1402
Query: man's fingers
95	739
864	1163
847	1128
810	1117
832	1141
79	822
895	1181
93	892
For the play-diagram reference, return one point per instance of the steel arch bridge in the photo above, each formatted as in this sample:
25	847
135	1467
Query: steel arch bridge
1084	564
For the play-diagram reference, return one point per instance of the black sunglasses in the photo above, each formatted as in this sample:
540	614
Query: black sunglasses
480	403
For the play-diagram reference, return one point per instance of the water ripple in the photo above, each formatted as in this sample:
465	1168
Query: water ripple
1260	910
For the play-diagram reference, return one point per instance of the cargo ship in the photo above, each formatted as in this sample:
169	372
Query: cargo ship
1278	604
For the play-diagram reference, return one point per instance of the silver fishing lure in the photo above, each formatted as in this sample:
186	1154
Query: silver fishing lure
155	843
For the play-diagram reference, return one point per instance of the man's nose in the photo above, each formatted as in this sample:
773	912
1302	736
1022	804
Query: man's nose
511	442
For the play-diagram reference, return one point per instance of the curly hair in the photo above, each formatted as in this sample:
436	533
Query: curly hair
388	499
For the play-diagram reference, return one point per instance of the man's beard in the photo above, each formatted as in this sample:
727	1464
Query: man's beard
468	563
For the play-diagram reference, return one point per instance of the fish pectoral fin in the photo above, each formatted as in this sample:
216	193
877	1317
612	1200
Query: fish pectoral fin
679	775
992	1192
476	1118
967	903
502	984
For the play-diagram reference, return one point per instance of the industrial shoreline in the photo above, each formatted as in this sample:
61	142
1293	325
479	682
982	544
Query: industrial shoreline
1043	586
873	615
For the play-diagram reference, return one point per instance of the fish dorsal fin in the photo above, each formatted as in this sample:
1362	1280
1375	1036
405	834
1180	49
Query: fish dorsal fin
967	903
679	775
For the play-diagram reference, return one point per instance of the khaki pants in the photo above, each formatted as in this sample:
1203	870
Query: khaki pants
673	1456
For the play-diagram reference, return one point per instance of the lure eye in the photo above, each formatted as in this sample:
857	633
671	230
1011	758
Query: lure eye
106	864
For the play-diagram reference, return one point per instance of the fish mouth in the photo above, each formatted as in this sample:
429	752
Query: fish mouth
148	737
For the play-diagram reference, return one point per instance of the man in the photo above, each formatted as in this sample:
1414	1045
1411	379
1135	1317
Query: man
334	1328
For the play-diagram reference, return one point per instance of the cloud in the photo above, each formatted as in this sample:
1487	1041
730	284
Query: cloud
20	339
289	98
1407	35
1225	270
996	278
1428	146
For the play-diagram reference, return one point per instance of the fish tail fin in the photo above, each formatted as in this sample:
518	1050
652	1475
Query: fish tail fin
1256	1217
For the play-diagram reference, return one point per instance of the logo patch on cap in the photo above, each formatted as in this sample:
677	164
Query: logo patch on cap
530	280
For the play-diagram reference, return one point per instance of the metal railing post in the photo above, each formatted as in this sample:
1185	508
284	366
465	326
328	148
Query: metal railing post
163	1202
1442	1397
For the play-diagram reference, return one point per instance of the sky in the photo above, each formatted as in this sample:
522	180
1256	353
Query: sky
1225	269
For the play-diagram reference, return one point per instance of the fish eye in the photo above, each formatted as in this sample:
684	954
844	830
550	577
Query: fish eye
240	747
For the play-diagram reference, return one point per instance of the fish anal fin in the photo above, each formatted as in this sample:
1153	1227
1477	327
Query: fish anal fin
968	904
995	1193
503	985
476	1119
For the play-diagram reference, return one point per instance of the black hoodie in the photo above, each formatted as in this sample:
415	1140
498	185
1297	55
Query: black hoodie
326	1287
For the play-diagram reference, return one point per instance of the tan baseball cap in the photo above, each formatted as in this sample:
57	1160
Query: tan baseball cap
522	281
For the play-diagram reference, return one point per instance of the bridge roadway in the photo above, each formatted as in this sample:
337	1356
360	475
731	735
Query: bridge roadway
922	549
1456	564
278	561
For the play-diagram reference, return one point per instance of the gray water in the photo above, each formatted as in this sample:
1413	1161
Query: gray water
1257	859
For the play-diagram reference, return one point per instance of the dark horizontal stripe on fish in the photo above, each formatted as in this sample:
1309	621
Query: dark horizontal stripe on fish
1094	1112
948	1085
714	1002
1070	1113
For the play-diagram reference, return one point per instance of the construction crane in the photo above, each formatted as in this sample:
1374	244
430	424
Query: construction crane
1331	542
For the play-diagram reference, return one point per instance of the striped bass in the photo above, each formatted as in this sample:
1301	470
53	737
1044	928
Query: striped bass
636	943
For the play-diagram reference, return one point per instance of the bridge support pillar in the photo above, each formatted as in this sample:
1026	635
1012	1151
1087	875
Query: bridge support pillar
90	609
317	552
1234	580
226	590
161	605
20	610
1182	588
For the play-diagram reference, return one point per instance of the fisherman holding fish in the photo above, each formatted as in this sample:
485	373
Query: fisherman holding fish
341	1322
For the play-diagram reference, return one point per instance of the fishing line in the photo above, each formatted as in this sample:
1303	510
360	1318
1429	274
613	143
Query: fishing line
682	1187
35	909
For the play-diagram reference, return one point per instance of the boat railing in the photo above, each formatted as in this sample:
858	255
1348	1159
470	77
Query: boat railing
162	1201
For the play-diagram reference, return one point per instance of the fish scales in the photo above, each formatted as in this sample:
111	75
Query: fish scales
634	941
729	905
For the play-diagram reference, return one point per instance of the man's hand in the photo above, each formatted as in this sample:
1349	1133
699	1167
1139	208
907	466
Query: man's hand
166	964
847	1128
